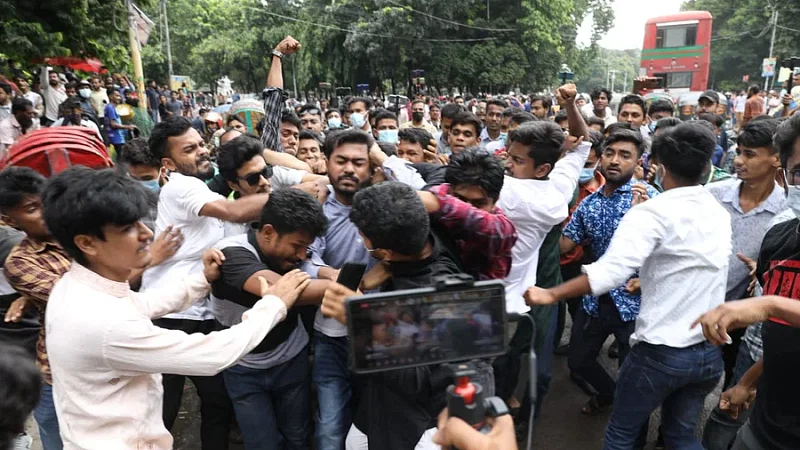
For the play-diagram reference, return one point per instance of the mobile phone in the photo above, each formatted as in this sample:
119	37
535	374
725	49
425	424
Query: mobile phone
350	275
424	326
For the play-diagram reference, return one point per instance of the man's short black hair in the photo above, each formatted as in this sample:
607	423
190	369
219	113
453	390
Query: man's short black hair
415	101
594	120
288	116
172	126
20	104
632	136
365	100
600	90
661	105
496	102
136	152
392	216
235	153
473	167
309	108
753	89
330	111
759	134
713	119
508	112
545	99
450	110
17	182
290	210
543	138
786	136
561	116
633	99
231	118
308	134
435	105
523	116
19	391
598	141
668	122
81	201
384	114
415	136
616	126
686	150
111	91
336	139
467	118
6	87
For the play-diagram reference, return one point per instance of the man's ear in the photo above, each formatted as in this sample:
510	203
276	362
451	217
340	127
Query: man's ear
8	220
234	186
169	164
86	244
542	170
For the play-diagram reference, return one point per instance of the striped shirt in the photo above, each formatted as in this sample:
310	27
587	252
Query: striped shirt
32	269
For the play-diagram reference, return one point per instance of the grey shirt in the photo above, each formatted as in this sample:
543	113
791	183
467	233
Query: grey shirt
748	230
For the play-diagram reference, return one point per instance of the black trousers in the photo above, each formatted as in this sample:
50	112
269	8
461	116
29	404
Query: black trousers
216	409
568	272
730	352
587	339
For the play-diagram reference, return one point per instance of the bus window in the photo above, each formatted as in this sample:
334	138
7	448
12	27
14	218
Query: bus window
680	36
675	80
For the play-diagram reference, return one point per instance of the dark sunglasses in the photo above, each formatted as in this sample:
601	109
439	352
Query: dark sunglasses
254	178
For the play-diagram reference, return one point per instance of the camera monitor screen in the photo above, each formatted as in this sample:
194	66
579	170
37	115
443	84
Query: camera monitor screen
423	326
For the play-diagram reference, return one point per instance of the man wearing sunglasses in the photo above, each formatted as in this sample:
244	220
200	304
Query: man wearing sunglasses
311	118
246	173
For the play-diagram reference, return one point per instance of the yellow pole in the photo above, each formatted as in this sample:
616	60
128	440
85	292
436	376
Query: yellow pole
136	57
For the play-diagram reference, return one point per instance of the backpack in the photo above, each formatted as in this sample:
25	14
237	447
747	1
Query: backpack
56	149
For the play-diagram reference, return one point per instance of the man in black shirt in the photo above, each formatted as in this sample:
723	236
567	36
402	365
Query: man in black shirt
270	387
775	419
398	408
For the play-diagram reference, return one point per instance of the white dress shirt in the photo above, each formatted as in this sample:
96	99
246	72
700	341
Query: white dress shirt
680	242
535	207
107	356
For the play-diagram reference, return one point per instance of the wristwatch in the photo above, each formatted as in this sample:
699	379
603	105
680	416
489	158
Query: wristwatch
277	53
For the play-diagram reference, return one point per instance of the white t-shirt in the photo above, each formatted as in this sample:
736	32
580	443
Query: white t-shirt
285	177
588	111
179	205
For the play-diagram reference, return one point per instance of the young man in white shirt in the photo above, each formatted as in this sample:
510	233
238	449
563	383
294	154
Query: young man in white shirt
186	204
106	354
680	242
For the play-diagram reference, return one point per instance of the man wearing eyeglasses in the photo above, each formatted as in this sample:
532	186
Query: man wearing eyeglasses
311	118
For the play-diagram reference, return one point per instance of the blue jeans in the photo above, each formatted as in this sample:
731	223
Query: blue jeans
334	391
678	379
45	415
720	430
273	405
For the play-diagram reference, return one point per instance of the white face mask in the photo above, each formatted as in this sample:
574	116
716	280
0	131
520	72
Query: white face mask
85	92
357	120
793	200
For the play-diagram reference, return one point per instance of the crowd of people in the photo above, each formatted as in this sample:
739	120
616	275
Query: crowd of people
212	252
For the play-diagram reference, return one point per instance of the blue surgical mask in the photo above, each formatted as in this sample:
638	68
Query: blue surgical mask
652	127
357	120
334	123
151	185
658	179
389	136
587	173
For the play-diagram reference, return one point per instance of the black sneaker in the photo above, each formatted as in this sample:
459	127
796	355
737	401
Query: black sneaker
562	350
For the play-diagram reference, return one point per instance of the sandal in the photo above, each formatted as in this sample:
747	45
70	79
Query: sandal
594	408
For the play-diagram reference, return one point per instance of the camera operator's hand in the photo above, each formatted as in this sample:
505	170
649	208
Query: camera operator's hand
455	432
333	302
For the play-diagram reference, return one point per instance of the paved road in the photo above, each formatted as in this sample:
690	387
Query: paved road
562	426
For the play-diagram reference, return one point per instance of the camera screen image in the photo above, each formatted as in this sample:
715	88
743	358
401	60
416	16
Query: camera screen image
426	328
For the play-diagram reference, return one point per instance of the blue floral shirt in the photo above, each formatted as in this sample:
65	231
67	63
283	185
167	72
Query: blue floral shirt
594	223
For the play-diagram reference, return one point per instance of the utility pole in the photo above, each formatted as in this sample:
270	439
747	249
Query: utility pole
772	45
169	48
487	10
136	55
625	83
613	78
294	78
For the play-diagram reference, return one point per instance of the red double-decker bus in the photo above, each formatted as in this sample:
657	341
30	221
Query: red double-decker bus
677	52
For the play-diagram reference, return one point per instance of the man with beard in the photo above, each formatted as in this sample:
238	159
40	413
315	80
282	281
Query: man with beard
19	123
98	96
186	203
592	225
54	94
270	386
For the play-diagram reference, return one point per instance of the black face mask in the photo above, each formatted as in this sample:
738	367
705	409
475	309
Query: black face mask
418	116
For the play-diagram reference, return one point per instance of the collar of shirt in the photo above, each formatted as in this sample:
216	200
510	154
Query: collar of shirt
110	287
774	203
624	188
486	139
40	246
